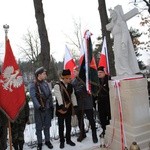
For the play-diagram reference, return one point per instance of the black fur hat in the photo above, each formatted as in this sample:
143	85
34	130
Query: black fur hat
66	73
101	68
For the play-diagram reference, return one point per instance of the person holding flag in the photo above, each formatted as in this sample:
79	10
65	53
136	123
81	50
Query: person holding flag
103	99
85	106
43	106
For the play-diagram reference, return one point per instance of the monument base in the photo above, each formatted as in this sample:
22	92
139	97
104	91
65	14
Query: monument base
135	110
139	134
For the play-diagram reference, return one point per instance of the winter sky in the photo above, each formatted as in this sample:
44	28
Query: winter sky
19	15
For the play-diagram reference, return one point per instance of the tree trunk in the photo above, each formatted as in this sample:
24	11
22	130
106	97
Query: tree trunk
104	22
45	45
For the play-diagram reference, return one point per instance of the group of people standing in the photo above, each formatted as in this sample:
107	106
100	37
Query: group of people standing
71	99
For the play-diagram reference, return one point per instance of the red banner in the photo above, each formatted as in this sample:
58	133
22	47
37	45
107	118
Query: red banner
12	92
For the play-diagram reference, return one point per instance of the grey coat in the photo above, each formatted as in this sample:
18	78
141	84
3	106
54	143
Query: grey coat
42	118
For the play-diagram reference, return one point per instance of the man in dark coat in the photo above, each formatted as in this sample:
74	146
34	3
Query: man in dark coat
43	106
103	99
3	131
85	106
65	101
18	127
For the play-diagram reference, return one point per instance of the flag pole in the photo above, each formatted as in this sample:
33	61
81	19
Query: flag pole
10	136
6	28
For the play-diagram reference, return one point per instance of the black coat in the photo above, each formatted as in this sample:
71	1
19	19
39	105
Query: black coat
103	98
84	99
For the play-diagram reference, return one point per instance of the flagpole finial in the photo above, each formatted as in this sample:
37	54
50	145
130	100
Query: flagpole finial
6	27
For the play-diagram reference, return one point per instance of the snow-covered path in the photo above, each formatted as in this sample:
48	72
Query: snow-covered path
86	144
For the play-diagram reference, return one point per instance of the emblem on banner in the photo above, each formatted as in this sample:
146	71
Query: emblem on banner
11	78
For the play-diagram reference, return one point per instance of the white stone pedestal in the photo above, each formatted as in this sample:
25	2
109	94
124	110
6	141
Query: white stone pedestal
136	116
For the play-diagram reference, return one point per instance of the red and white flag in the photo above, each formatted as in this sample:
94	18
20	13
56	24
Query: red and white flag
12	89
69	63
82	51
104	57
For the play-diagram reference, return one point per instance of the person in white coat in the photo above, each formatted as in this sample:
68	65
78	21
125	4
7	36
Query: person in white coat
65	104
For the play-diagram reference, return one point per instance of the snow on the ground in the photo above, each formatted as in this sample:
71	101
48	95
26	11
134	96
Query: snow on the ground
87	143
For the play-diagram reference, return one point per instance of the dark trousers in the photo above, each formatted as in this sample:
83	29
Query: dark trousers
90	117
104	113
67	121
17	130
103	122
3	131
3	137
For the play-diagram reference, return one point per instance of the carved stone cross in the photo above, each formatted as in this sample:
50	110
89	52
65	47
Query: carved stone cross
126	16
125	58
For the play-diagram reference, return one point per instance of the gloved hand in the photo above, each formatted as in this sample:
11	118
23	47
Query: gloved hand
63	107
42	109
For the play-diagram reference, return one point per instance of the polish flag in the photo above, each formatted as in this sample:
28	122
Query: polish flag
12	88
82	51
69	62
104	57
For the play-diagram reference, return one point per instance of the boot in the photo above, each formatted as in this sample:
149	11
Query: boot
15	145
21	145
49	144
94	137
70	143
39	147
81	137
102	141
62	145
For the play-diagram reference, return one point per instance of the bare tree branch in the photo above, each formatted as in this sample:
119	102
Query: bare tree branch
32	47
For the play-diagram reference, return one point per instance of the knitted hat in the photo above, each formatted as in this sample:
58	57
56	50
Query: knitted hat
39	71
